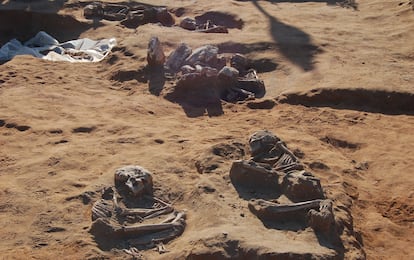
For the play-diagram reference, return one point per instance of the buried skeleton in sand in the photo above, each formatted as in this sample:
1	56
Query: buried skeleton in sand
130	14
275	168
130	216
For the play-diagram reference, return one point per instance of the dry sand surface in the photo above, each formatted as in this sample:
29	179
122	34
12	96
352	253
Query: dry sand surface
341	74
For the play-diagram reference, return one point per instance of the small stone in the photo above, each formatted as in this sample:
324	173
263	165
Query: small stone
188	24
187	69
239	62
164	17
228	74
209	72
205	55
301	186
176	59
155	54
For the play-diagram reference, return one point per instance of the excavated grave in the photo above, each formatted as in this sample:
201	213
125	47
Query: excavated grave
282	212
130	217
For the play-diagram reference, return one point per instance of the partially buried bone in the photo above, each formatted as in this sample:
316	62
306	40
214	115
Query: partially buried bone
178	222
322	220
207	27
273	167
268	148
319	212
125	213
101	209
267	209
134	179
146	213
251	82
262	142
105	226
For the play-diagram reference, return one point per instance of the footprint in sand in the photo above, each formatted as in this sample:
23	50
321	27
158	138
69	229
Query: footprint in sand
21	128
84	129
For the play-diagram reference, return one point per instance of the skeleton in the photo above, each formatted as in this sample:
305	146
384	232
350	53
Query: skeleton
123	212
250	82
273	164
267	148
130	14
207	27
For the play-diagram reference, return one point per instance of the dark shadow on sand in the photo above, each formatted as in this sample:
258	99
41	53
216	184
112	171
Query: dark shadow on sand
156	80
26	24
293	43
342	3
366	100
212	107
197	98
256	190
49	6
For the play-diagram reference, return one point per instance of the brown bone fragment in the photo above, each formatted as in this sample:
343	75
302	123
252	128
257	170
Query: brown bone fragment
269	210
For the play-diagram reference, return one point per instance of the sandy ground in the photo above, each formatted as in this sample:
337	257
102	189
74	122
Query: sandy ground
358	142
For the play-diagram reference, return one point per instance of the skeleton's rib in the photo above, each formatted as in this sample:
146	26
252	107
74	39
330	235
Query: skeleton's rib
114	199
159	212
158	200
286	167
284	148
143	212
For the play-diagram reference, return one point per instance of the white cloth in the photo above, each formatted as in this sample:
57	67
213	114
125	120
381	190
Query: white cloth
46	47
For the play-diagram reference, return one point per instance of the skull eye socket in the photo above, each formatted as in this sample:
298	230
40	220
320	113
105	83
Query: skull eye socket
136	182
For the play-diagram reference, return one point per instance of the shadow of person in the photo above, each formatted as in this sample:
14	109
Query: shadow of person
27	24
50	6
343	3
293	43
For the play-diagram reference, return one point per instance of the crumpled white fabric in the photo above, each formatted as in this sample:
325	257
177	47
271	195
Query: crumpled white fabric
46	47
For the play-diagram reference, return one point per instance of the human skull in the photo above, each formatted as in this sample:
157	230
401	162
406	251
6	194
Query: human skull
134	179
262	141
93	10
